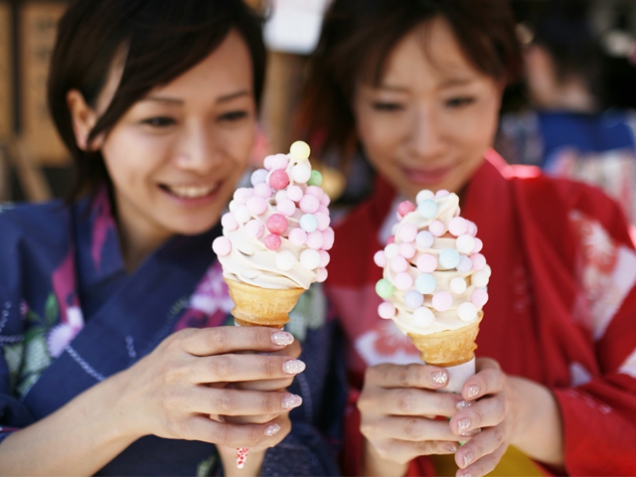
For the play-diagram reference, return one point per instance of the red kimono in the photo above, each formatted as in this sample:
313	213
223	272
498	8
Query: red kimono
562	308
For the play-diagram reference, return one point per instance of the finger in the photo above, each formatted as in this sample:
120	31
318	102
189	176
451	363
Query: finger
234	402
228	339
486	412
408	402
404	451
488	380
201	428
410	429
243	367
483	465
406	376
265	385
486	443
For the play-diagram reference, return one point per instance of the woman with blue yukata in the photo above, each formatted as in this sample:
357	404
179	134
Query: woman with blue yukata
114	361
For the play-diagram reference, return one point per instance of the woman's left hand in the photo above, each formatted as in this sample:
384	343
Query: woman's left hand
499	410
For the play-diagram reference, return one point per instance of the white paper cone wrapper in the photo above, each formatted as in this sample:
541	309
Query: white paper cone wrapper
457	376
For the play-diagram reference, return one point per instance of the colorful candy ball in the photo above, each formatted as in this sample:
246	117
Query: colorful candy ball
315	178
380	258
310	259
386	310
308	223
384	288
285	260
254	228
403	281
229	222
424	195
279	179
457	285
301	173
222	246
427	208
423	317
300	150
413	299
272	242
442	301
425	284
467	312
448	258
277	224
424	239
259	176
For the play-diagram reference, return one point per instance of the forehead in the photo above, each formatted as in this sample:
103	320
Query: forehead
430	54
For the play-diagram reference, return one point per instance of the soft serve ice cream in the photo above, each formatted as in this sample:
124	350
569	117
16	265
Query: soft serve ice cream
435	277
276	234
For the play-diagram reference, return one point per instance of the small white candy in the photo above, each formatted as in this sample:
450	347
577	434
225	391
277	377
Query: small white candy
285	260
310	259
480	279
458	285
467	312
242	214
392	250
258	176
424	239
301	173
423	195
280	196
465	244
233	205
487	270
423	317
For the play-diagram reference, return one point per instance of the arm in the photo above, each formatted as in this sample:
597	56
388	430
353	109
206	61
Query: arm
169	393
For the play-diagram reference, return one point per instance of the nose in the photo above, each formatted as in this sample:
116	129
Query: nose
197	150
426	134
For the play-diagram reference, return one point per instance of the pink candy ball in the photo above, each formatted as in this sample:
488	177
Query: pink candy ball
241	195
405	207
254	228
426	263
328	238
309	204
298	237
441	193
279	180
222	246
321	275
380	258
471	228
323	220
403	281
256	205
465	264
272	242
325	258
479	297
294	193
286	207
479	245
267	162
277	224
280	161
315	191
407	250
263	190
390	240
399	264
315	240
442	301
457	226
407	232
436	228
386	310
479	261
229	222
325	200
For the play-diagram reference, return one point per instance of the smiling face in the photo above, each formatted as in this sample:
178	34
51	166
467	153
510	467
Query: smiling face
429	121
175	156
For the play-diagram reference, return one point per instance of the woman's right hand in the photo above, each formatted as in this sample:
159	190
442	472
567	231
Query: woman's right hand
398	404
180	389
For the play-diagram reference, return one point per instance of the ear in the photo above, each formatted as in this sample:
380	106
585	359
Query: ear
84	119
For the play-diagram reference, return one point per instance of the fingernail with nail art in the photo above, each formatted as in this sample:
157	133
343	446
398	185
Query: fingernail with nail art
473	391
272	429
468	458
463	405
463	425
282	338
293	366
439	377
290	401
452	448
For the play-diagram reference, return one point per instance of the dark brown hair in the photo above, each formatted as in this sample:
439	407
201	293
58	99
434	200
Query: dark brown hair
358	35
162	39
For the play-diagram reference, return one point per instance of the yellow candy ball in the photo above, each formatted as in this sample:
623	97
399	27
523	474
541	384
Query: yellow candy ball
300	150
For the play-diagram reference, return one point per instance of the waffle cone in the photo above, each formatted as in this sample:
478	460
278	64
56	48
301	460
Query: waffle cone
255	306
448	348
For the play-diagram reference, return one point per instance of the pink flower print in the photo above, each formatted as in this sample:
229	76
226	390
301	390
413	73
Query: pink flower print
385	343
102	224
62	334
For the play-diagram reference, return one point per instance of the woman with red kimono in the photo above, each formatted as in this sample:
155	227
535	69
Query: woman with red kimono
416	86
114	358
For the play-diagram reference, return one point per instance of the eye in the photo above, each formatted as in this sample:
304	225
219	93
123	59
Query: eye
232	116
386	106
159	121
460	101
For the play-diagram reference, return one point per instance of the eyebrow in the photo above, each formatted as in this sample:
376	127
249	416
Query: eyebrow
222	99
447	84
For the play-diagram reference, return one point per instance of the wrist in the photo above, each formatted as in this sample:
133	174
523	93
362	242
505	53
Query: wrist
375	465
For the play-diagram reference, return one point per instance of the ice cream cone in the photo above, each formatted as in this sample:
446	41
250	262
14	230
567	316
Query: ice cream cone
448	348
255	306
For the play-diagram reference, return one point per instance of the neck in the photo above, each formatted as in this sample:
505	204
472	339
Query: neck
136	249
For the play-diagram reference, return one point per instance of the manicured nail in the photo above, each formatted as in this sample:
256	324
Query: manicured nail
271	430
439	377
452	448
463	425
293	366
468	458
473	391
463	405
467	474
282	338
470	433
290	401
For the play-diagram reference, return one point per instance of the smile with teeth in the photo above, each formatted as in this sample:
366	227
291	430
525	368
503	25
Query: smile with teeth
191	192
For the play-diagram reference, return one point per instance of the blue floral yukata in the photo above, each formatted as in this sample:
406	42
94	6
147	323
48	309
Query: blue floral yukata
71	315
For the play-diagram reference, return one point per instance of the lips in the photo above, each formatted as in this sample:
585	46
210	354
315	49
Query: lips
429	175
190	191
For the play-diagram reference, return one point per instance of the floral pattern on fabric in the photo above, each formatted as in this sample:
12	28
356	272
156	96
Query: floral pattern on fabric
608	273
385	343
